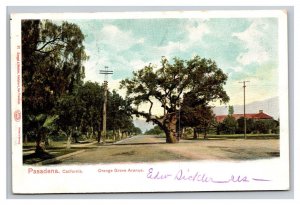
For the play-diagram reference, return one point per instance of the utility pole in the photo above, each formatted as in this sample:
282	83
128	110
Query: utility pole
245	121
105	72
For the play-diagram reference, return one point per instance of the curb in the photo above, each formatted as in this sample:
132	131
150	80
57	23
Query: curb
47	161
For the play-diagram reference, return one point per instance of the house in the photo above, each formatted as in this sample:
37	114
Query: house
255	116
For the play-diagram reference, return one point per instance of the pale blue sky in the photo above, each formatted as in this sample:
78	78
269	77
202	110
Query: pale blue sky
246	49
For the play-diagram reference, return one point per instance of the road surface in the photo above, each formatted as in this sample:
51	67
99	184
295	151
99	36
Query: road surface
150	148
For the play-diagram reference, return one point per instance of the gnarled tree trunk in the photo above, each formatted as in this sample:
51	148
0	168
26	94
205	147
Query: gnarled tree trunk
170	130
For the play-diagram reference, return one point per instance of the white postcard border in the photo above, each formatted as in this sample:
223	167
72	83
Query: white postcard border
91	180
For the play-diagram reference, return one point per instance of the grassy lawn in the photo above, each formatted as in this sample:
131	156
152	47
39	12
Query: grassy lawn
55	150
49	154
54	144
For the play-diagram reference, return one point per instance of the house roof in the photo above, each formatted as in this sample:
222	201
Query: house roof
260	115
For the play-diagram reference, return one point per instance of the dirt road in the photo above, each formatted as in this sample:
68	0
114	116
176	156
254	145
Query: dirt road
151	148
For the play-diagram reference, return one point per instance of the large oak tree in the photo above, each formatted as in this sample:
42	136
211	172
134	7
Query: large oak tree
167	85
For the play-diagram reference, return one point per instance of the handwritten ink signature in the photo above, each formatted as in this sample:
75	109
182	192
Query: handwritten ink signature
186	175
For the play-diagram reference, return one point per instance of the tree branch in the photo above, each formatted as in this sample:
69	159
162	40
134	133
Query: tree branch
151	105
45	52
49	42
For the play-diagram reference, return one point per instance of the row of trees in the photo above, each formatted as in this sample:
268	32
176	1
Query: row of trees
154	131
196	120
232	126
56	101
83	110
229	126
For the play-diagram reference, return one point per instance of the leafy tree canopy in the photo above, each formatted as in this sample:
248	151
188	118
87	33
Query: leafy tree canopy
199	77
52	65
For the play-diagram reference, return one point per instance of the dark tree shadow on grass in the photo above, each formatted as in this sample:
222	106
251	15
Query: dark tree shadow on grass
37	157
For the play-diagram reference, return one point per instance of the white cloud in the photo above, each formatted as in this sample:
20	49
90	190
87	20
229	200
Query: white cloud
117	39
168	50
252	38
196	32
93	65
137	64
237	69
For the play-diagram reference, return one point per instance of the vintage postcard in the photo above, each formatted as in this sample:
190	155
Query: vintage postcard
149	101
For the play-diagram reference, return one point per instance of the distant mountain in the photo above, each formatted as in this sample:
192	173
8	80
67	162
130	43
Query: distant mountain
269	106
